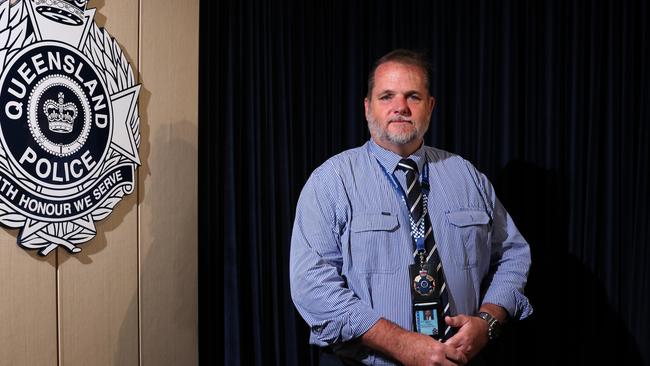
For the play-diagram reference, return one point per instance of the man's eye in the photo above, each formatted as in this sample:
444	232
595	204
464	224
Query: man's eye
385	97
415	97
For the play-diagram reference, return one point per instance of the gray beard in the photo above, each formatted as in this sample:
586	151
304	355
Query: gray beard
398	139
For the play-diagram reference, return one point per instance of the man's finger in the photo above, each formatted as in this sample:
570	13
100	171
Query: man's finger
456	356
455	321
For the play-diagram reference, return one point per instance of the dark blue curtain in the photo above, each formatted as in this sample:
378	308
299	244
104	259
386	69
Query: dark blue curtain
549	98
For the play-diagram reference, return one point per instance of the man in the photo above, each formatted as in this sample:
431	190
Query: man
428	314
392	228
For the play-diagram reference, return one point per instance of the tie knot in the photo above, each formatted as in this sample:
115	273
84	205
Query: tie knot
407	165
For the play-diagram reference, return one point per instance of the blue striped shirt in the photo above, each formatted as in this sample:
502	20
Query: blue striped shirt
351	245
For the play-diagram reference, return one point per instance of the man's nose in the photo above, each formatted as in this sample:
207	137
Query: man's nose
401	105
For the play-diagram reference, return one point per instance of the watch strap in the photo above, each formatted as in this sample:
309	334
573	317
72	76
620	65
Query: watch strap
493	325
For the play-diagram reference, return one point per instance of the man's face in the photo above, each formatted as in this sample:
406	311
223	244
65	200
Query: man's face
400	107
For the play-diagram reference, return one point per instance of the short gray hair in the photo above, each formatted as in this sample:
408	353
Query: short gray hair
401	56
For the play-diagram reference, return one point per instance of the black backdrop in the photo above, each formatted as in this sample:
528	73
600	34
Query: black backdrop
549	98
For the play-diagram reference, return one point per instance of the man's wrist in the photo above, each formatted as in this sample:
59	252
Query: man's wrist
495	316
494	326
386	337
496	311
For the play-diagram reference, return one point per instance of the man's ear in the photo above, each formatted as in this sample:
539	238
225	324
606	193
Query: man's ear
366	104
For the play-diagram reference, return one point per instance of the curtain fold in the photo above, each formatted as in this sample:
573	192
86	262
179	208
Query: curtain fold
550	99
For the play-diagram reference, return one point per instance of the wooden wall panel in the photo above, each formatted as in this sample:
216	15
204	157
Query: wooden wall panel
168	185
98	288
130	297
27	305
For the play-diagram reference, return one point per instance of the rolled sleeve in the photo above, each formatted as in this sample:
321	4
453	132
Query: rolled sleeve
318	289
515	303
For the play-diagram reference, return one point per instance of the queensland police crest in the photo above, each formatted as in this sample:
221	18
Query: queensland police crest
69	123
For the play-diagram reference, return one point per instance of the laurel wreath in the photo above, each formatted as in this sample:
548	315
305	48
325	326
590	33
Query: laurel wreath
16	33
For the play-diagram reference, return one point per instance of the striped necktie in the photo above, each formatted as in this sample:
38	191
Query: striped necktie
415	203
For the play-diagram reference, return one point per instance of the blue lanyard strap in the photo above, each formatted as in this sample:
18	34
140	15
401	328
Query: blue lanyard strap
417	228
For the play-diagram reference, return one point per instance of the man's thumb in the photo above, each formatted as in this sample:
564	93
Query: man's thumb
454	321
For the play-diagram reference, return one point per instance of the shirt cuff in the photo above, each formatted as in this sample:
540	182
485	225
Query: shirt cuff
515	303
357	321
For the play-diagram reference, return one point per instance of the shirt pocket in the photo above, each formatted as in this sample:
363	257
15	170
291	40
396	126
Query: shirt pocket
470	232
374	241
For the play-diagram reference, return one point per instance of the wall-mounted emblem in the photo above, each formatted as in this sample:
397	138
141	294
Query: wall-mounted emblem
69	123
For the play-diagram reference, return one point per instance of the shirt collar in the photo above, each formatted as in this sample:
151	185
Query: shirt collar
389	159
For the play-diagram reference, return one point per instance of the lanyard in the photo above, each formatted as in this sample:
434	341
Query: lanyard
417	228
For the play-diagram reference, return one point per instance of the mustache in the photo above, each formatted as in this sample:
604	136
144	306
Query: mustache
400	118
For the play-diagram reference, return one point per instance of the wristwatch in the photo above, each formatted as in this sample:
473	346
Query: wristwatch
494	327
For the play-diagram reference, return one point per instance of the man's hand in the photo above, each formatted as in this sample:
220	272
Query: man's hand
423	350
410	348
472	334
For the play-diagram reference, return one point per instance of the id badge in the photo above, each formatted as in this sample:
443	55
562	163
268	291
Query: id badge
427	309
427	318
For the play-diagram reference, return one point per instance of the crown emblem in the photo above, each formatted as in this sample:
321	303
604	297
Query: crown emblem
60	116
69	12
